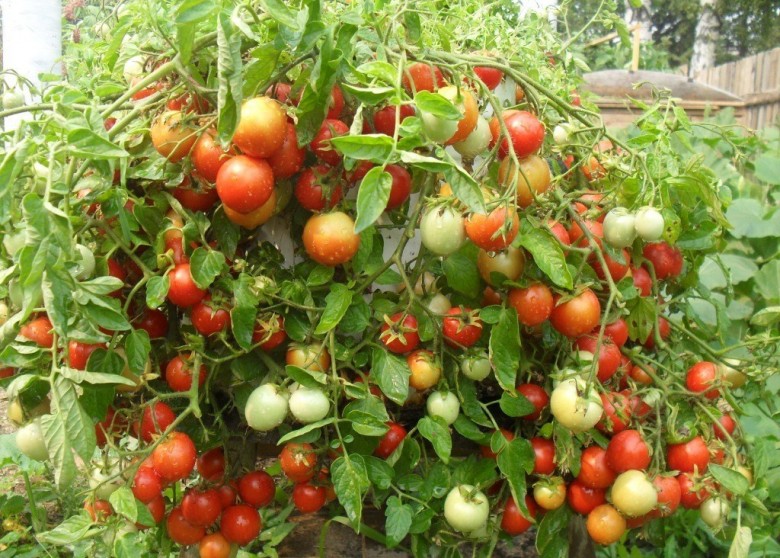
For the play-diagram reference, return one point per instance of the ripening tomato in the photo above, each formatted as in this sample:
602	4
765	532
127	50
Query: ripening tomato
257	488
195	198
461	327
384	118
550	493
147	485
183	291
207	319
399	333
526	134
178	373
79	353
493	231
99	510
315	192
577	315
201	508
617	412
584	500
255	218
391	440
330	239
605	525
182	531
288	159
321	146
532	180
513	522
214	545
208	156
401	187
171	136
594	470
308	498
628	450
312	357
39	331
691	456
544	456
534	304
298	461
425	370
560	232
666	260
538	398
639	373
507	264
607	353
261	128
188	102
491	77
269	331
174	458
422	77
693	490
700	378
669	494
245	184
240	524
155	419
578	234
211	464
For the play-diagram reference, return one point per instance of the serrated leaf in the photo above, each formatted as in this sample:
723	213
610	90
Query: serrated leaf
350	481
391	374
206	265
366	147
137	349
547	254
336	304
308	378
505	349
729	479
73	529
229	77
436	432
398	521
437	105
515	405
740	546
156	290
123	502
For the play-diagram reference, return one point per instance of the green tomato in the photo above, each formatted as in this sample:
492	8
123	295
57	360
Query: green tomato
466	509
619	228
476	142
443	230
576	406
12	98
476	366
649	224
14	242
308	404
714	511
29	440
105	482
633	494
266	408
443	404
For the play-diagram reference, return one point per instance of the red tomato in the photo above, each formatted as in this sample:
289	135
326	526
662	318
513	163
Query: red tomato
487	451
257	488
183	291
422	77
700	378
201	508
534	304
269	332
240	524
617	413
156	419
693	491
384	118
188	102
642	280
39	331
227	495
261	129
513	522
308	498
147	485
584	500
335	102
666	260
174	458
628	450
78	353
401	188
154	322
320	145
664	329
201	198
116	270
157	508
281	92
493	231
298	461
560	232
639	374
99	510
214	546
544	456
578	235
182	531
244	184
208	319
538	398
491	77
391	440
461	327
359	172
330	238
399	333
208	156
315	192
617	331
605	525
576	316
608	354
594	470
7	372
688	457
526	134
288	160
211	464
724	427
178	373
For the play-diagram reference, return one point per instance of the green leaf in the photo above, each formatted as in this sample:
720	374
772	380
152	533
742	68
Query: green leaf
461	271
373	194
436	105
308	378
437	433
749	219
398	520
766	317
75	528
227	232
311	427
464	186
336	305
194	10
768	169
379	69
391	374
280	12
369	95
380	473
547	254
767	281
367	147
137	348
229	76
505	349
368	415
83	142
350	481
552	537
740	546
156	290
320	275
469	430
206	265
515	405
730	479
123	502
57	289
413	26
516	461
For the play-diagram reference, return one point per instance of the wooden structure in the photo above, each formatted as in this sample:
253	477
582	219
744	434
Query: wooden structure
756	79
614	89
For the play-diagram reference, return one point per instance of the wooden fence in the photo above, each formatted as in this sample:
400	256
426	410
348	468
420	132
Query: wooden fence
756	80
